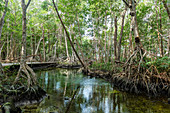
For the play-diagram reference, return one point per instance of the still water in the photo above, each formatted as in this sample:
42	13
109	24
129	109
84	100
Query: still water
70	90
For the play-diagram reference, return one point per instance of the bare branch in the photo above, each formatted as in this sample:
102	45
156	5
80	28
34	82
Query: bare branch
126	3
28	4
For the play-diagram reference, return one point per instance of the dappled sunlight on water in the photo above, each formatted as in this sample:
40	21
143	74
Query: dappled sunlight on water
93	96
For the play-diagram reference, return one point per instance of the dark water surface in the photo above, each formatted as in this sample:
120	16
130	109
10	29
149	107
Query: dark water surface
93	96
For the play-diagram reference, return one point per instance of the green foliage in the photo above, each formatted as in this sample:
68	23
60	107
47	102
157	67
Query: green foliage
162	64
102	66
2	4
44	5
83	19
106	67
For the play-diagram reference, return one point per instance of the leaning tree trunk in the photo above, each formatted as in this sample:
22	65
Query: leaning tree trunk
38	45
72	45
23	66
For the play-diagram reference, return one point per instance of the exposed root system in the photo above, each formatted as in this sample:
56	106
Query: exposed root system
151	82
30	75
14	96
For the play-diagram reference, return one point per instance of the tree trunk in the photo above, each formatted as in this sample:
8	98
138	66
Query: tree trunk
44	51
1	70
65	37
1	26
23	66
125	52
55	50
73	57
160	24
132	7
7	56
130	38
101	44
168	46
138	52
12	47
49	42
100	47
115	38
121	34
105	38
38	45
1	49
159	30
33	42
111	39
166	7
24	35
2	22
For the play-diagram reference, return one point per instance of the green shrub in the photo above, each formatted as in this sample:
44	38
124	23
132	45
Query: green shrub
162	64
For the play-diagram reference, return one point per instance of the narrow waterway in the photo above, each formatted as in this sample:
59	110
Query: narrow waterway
71	90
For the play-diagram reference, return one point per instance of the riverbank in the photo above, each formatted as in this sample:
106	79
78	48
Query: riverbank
138	84
117	79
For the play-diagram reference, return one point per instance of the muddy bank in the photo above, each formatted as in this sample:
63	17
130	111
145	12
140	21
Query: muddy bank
154	86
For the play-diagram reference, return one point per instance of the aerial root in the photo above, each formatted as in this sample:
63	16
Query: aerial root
26	70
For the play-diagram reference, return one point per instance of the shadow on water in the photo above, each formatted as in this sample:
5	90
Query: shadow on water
93	96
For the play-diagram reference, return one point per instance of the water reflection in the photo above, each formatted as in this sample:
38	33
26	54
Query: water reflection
93	96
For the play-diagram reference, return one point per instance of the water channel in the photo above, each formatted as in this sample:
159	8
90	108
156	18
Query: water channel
71	90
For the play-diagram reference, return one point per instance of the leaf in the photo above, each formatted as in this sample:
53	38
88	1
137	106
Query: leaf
115	91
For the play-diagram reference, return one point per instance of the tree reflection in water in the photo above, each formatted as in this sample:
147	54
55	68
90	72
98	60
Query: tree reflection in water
94	95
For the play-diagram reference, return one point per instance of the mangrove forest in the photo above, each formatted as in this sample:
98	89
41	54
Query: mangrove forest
84	56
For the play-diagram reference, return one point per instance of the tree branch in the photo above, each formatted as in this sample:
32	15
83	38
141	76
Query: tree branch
126	3
166	7
28	4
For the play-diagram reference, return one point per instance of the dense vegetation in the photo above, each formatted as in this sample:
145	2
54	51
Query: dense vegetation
126	42
91	27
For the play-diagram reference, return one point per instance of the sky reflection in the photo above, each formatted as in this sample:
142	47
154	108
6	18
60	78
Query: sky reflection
93	96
